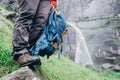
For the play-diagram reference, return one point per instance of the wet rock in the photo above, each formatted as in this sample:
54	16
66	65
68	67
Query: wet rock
118	51
110	58
23	73
117	68
107	66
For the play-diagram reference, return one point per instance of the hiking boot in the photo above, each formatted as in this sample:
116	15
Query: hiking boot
28	60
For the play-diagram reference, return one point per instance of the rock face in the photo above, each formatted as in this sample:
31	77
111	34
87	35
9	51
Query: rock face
99	23
23	73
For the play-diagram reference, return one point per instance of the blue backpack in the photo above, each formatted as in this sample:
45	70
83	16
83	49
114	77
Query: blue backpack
56	25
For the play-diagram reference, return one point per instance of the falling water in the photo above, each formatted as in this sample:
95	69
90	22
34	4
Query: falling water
82	55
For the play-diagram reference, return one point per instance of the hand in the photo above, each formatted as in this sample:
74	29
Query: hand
53	7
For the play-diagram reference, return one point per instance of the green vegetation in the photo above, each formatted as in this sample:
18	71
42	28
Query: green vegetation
6	8
7	22
6	61
65	69
7	64
107	21
117	26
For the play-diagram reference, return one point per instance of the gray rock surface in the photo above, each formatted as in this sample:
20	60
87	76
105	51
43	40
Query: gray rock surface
23	73
94	18
107	66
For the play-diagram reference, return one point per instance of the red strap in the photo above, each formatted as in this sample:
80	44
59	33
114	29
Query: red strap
53	2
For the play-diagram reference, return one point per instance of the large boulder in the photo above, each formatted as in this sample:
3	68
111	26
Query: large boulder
23	73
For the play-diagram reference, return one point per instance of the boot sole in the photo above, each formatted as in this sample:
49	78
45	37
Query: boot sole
32	63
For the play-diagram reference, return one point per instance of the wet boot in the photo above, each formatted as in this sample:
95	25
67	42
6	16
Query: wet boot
28	60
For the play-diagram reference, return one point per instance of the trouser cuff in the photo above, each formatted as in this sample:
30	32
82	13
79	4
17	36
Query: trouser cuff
17	54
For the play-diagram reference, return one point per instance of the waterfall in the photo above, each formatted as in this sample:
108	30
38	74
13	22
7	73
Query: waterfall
82	55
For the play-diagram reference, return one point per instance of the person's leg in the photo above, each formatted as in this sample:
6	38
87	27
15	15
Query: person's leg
26	13
39	21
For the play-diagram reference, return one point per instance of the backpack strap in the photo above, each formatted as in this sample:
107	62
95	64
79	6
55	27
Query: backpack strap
60	51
